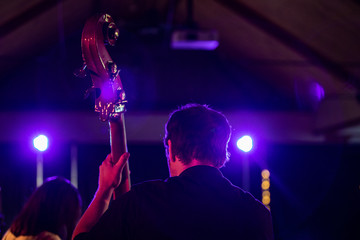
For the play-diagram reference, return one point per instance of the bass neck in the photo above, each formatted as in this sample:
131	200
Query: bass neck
119	147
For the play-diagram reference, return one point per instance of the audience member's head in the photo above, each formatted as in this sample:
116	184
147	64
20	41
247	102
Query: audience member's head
54	207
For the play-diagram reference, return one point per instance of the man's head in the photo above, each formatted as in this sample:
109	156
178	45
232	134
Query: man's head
197	132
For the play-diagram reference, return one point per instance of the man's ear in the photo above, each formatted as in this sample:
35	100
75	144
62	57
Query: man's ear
171	154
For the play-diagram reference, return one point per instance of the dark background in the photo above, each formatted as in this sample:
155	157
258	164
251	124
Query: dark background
292	68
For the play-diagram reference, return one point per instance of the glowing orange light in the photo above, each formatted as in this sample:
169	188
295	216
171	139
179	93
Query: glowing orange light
266	200
265	185
266	193
265	173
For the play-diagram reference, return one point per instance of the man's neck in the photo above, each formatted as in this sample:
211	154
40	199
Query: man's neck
178	167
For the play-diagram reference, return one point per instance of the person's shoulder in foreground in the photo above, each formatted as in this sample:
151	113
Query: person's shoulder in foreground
203	204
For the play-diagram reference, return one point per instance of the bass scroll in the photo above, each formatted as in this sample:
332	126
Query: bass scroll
98	32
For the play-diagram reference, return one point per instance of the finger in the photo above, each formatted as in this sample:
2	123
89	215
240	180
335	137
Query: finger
108	160
122	160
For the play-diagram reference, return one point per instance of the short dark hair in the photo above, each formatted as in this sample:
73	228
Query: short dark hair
198	132
53	206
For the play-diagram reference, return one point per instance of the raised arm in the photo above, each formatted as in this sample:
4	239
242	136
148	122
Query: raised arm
110	175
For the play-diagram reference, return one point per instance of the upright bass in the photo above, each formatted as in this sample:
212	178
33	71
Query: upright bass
98	32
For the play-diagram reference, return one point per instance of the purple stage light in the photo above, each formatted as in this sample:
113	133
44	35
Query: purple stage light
317	91
41	143
245	143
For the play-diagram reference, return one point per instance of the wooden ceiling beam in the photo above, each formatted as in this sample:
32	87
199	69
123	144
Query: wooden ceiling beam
290	40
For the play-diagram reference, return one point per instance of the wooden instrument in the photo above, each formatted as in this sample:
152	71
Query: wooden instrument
98	32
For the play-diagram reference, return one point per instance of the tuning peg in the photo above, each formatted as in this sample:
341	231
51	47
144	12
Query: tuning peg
112	70
111	33
81	72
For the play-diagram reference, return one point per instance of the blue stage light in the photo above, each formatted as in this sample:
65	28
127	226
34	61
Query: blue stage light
245	143
41	143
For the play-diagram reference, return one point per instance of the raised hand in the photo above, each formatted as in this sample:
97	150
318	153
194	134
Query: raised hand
110	173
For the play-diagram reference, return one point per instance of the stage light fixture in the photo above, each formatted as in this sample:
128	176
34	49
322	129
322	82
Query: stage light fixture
245	143
41	143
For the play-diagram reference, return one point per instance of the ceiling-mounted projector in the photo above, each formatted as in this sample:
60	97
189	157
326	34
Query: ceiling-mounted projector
192	39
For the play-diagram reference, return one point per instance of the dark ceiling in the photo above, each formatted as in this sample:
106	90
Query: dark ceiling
273	56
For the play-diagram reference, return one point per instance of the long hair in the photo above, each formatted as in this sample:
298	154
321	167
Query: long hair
54	207
198	132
